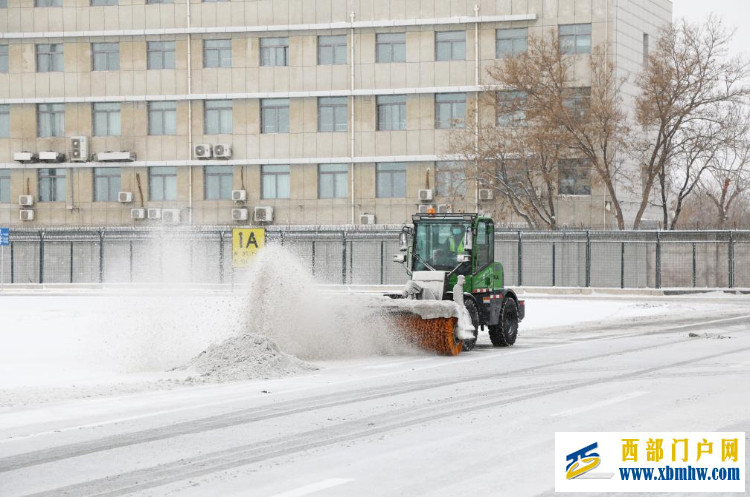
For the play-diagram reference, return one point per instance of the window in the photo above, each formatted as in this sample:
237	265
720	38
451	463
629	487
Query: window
153	2
4	121
514	174
274	115
332	180
106	119
217	53
3	4
50	120
217	182
98	3
450	45
162	118
331	50
450	110
575	177
510	107
575	38
274	182
160	54
217	117
332	114
645	49
391	180
485	247
391	112
209	1
107	184
577	100
390	47
274	51
162	183
52	185
3	58
49	57
105	56
510	42
47	3
4	186
450	179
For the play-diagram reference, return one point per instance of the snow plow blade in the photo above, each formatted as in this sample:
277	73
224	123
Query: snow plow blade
436	334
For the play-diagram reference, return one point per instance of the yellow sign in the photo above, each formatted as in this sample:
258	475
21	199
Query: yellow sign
245	243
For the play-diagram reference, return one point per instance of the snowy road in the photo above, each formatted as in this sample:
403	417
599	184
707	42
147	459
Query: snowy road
479	424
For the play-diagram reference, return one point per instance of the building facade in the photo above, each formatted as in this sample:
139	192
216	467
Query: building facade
326	111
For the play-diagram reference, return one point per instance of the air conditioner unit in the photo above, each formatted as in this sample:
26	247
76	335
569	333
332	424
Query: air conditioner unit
239	214
170	216
223	151
27	215
239	195
426	209
25	200
263	214
486	194
367	219
444	208
202	151
138	213
124	197
79	149
120	156
25	157
154	213
425	195
51	156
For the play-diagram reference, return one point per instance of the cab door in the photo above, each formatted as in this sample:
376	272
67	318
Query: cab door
484	256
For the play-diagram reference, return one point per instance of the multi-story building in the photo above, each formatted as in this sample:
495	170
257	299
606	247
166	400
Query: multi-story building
327	111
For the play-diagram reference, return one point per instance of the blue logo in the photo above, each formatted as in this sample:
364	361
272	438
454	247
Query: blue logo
581	461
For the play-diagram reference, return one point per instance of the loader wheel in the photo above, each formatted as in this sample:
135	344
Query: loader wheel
471	307
504	333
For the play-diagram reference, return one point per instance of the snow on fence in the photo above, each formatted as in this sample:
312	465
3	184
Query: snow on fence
362	255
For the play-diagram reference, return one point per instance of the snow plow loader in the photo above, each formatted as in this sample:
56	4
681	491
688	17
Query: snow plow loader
455	285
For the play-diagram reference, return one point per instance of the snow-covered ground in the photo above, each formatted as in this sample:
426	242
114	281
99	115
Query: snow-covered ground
302	392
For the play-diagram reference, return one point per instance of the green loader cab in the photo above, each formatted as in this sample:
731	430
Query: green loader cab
439	249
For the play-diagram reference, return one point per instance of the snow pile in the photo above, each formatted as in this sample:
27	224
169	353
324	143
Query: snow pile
285	305
245	357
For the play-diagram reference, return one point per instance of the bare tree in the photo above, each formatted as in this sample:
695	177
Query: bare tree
686	90
728	178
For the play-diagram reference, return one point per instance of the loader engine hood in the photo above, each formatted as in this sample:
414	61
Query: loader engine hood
426	285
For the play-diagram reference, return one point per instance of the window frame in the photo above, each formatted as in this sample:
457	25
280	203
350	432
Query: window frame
216	56
55	112
581	170
386	51
4	58
163	114
103	3
453	103
333	175
516	36
272	49
512	115
220	108
275	172
167	176
390	171
110	114
55	59
112	178
5	180
52	186
453	45
336	106
387	119
163	54
4	120
224	178
334	44
111	57
450	179
276	108
570	41
48	3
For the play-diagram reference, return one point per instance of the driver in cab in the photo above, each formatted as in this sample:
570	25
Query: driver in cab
453	246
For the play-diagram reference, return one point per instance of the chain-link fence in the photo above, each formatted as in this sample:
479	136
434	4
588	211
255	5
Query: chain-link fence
362	255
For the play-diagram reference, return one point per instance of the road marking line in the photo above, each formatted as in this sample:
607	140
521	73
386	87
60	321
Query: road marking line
597	405
314	487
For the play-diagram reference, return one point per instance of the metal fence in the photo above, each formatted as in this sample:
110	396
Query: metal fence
362	255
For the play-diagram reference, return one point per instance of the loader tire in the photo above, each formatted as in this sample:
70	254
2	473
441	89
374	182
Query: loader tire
471	307
505	332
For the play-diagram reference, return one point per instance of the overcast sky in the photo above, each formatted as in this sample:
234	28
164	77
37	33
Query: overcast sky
735	14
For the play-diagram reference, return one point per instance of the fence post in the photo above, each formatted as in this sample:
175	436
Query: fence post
382	264
131	261
71	262
622	264
731	259
313	257
41	257
520	258
658	259
694	267
101	257
343	258
553	263
588	258
12	264
221	257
